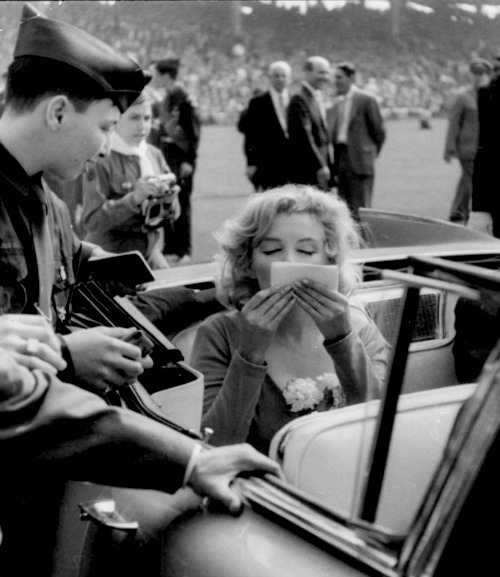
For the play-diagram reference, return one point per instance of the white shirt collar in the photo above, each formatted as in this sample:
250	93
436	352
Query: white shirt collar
348	94
275	94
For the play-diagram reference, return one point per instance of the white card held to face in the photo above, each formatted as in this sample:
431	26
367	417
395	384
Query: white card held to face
287	272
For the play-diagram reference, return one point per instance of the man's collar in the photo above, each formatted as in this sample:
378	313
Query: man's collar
352	89
311	89
15	173
274	92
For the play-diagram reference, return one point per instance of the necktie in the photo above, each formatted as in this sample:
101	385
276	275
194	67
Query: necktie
44	253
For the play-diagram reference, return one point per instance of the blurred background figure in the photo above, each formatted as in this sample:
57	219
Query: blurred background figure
129	195
485	210
178	138
358	133
462	138
266	131
309	143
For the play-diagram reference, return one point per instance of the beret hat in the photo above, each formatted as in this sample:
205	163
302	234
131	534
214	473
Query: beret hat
116	76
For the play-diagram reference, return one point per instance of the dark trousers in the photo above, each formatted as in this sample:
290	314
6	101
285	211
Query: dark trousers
355	189
460	207
178	233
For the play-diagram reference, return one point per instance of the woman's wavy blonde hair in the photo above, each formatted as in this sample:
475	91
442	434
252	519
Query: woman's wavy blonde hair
239	236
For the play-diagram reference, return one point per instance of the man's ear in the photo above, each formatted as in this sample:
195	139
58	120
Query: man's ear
58	108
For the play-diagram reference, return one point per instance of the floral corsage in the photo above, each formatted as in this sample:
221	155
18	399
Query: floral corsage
304	395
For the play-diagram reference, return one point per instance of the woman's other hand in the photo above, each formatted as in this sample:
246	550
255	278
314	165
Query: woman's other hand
328	308
261	316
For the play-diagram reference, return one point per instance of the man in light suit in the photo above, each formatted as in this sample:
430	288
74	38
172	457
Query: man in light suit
310	157
266	131
462	137
358	133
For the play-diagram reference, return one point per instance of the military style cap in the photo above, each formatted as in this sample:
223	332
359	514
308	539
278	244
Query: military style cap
168	65
119	77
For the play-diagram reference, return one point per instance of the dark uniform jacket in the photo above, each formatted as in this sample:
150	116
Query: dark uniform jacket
19	206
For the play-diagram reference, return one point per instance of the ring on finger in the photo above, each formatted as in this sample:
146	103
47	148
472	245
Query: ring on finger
32	346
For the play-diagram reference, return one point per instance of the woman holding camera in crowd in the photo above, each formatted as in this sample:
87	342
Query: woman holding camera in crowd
290	349
130	194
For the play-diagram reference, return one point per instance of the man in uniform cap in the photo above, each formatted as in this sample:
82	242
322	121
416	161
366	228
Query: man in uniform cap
462	137
65	92
178	138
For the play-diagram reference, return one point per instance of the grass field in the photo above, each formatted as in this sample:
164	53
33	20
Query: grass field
411	177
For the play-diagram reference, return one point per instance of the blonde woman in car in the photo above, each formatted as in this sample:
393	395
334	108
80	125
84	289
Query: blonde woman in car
284	351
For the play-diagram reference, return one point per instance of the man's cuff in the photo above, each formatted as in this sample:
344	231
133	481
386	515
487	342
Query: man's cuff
68	375
193	460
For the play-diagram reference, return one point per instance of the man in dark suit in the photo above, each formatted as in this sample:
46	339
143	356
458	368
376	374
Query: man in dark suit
179	136
462	137
485	213
358	134
310	156
266	131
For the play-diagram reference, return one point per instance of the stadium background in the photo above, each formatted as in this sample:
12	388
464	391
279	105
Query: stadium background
412	60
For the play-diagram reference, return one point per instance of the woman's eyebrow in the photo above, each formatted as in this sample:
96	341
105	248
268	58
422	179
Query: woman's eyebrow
269	239
312	239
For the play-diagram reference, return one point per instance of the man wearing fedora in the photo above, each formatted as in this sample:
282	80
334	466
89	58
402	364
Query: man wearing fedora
61	123
178	138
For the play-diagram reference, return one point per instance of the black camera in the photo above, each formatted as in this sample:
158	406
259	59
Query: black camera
158	209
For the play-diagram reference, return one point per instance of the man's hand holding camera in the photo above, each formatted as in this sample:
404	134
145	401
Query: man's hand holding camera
158	198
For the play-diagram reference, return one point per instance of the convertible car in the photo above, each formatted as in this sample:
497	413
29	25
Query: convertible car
397	487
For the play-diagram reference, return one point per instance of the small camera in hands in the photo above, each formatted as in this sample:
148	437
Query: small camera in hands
158	209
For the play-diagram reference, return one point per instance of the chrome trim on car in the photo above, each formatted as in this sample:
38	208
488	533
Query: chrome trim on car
367	543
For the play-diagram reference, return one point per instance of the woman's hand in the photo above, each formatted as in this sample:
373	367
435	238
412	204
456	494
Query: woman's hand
262	315
328	308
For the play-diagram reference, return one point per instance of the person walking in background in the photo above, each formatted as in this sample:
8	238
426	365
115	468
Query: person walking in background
310	152
130	194
178	139
358	133
266	131
462	137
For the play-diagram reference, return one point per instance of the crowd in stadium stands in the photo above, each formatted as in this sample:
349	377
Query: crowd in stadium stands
418	73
